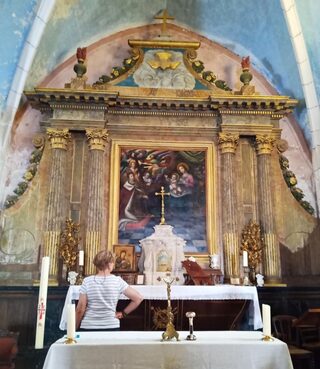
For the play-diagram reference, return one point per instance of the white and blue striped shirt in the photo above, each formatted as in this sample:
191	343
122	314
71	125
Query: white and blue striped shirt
103	293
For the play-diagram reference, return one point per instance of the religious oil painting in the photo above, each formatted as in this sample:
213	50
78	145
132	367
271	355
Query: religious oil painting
182	172
124	258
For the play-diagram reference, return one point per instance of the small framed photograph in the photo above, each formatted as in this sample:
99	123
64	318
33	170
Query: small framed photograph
125	258
140	279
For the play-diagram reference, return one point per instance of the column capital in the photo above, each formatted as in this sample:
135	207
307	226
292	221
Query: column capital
97	138
58	138
264	144
228	142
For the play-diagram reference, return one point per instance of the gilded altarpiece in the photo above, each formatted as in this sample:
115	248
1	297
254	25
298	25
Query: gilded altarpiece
159	120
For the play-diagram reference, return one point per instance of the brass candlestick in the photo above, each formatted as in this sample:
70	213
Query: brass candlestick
190	315
70	341
170	331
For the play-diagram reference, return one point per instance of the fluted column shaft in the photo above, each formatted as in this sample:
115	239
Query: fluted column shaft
228	143
271	252
56	204
97	140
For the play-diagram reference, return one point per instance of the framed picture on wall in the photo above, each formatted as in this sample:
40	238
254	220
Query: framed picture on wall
124	258
185	170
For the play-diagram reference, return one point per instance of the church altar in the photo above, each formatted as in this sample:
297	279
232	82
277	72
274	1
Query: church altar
219	292
115	350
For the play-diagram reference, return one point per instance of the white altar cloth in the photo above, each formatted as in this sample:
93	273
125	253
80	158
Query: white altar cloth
144	350
219	292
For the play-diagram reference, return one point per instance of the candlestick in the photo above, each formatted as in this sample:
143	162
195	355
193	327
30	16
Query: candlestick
245	258
42	302
81	258
190	315
266	319
71	323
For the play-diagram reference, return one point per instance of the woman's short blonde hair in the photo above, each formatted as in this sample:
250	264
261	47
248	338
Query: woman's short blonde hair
103	259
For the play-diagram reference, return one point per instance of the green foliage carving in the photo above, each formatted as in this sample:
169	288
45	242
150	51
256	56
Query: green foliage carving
292	182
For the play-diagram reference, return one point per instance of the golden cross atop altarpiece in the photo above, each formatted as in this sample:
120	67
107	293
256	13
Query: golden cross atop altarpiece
162	193
165	16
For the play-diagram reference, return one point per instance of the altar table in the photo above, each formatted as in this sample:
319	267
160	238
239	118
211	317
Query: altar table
141	349
218	292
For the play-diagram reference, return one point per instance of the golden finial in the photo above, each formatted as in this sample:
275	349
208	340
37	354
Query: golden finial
164	16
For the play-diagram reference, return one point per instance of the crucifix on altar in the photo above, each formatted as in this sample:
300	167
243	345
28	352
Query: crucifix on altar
162	193
162	251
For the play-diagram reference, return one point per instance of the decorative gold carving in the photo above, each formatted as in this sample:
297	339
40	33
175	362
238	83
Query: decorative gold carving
38	141
59	138
228	142
154	44
163	61
160	318
252	242
97	138
264	144
164	17
69	244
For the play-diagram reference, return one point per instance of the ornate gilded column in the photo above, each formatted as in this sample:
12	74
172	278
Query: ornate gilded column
97	140
228	144
271	252
56	205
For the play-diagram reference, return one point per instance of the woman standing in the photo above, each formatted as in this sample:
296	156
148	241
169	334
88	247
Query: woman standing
99	295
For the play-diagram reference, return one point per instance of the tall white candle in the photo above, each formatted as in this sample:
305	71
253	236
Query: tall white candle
266	318
71	321
245	258
42	302
81	258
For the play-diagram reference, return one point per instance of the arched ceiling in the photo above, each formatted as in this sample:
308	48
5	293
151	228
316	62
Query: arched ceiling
246	27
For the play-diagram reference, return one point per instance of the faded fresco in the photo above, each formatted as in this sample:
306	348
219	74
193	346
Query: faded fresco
182	174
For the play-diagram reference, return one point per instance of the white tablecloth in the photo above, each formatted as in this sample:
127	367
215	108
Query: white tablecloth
219	292
139	350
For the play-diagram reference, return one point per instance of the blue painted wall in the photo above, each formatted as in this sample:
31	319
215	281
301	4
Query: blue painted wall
16	18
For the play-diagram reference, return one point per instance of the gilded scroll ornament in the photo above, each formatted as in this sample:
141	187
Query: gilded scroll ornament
264	144
228	142
97	138
59	138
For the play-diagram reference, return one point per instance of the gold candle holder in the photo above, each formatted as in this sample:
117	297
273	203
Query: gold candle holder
267	338
170	331
70	341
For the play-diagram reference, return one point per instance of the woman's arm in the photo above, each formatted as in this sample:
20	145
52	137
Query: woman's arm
136	300
81	309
